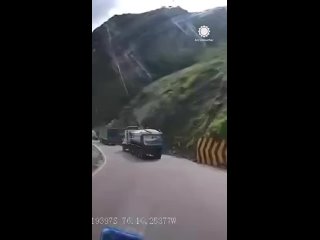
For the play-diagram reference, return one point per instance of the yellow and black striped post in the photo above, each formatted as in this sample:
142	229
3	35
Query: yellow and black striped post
211	151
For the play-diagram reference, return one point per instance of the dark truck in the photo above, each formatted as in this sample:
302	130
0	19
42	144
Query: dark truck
143	143
111	136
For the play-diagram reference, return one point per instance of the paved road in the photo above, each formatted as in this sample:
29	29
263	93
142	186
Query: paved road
195	195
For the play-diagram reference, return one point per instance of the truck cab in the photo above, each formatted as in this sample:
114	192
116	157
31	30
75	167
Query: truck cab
126	134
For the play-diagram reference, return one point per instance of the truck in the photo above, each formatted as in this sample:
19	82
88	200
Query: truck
111	136
143	143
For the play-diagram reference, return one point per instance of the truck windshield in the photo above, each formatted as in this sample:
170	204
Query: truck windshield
152	140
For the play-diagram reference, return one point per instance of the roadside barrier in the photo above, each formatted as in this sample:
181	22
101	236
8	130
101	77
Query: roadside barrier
211	151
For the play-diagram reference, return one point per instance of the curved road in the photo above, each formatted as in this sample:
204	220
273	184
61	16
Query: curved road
194	195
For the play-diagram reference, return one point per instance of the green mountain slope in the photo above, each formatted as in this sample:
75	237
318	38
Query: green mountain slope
185	105
131	51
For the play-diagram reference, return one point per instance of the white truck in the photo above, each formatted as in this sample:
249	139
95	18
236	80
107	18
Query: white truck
143	143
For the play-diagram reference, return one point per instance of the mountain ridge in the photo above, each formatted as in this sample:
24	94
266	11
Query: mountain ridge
131	51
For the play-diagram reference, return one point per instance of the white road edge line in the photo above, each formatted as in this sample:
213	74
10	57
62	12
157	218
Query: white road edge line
102	165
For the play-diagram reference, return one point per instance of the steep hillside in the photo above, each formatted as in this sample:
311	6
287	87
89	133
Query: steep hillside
185	105
131	51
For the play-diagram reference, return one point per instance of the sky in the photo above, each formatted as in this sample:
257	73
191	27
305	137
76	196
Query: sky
102	10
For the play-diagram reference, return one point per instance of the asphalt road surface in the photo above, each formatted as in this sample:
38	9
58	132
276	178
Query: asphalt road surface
190	200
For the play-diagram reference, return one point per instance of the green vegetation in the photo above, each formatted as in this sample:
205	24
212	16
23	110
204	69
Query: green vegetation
162	41
187	104
184	93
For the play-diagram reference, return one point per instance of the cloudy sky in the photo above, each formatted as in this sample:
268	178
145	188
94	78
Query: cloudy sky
102	10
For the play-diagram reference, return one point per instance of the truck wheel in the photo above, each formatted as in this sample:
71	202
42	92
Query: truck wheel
144	156
141	154
157	157
138	153
123	148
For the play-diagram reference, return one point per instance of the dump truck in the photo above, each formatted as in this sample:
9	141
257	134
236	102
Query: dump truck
143	143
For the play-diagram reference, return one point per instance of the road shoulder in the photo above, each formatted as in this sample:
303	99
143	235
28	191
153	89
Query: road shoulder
98	159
